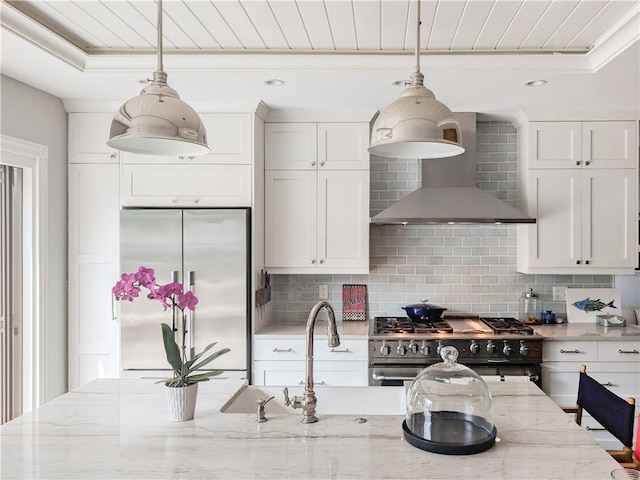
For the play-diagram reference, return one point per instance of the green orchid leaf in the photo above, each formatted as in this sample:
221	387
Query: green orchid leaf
199	355
172	350
204	376
209	359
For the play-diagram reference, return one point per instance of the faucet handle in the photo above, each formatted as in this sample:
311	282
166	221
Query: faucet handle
295	402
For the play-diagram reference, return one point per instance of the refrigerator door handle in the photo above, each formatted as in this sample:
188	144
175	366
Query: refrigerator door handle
114	309
191	281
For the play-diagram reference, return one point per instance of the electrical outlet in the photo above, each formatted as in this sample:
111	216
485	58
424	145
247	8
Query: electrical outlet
559	294
323	292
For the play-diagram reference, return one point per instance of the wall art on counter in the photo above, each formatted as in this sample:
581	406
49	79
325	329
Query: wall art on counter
354	303
584	304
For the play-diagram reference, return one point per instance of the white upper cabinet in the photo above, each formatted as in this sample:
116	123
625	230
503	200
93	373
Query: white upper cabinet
316	146
317	198
579	180
582	145
88	135
229	136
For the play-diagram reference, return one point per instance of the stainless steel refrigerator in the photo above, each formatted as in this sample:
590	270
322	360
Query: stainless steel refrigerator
206	247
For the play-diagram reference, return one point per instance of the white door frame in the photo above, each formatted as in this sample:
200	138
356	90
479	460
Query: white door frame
33	159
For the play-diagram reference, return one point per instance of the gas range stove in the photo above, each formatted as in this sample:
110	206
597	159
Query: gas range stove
479	341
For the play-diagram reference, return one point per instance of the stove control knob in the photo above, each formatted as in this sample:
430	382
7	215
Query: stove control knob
385	350
401	350
524	350
475	347
491	347
507	350
413	348
425	349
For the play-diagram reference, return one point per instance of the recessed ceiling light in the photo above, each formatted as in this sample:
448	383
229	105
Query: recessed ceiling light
536	83
400	83
274	82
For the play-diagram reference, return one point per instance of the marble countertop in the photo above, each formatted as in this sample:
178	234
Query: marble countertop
588	331
118	429
563	331
353	330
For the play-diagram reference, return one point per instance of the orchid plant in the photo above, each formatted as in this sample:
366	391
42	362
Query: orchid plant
173	296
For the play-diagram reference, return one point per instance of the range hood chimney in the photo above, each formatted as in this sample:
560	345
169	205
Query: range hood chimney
449	194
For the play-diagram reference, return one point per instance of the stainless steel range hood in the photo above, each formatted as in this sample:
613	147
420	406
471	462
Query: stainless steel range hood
449	194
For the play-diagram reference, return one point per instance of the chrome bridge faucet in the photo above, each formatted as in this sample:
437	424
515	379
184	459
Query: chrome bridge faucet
309	401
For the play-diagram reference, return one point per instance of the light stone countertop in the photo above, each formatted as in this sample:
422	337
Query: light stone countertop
588	331
119	429
351	330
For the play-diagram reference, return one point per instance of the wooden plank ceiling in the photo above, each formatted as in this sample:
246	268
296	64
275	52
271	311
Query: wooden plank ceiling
331	26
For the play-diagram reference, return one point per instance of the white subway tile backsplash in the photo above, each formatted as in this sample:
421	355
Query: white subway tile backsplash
467	269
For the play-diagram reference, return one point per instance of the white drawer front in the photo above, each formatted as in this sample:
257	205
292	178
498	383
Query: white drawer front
569	351
295	349
282	350
186	185
324	373
349	350
615	351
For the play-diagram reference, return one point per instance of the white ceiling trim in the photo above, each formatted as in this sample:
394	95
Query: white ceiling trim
23	26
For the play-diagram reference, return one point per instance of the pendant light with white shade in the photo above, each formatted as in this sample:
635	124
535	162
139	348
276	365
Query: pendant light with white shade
416	125
157	122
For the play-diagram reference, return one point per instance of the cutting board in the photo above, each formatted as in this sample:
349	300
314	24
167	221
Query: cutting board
584	304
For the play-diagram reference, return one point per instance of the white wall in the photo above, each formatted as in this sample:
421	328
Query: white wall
33	115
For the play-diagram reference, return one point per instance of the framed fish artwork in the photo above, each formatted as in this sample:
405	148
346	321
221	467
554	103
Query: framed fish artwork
583	304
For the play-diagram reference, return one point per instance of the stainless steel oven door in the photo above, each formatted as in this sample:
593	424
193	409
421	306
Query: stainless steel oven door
387	376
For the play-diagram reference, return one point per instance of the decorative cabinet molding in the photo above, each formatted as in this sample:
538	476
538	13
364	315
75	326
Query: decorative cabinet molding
585	206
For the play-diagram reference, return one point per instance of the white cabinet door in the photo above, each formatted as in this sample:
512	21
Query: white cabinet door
554	199
290	219
554	145
88	135
229	136
343	146
609	213
186	185
609	144
94	225
343	220
290	146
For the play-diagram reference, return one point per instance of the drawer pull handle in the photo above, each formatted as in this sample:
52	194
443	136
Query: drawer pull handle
282	350
179	200
607	384
301	382
628	351
336	350
594	429
575	350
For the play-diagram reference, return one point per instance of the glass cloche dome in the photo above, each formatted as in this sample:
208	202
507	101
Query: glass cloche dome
449	409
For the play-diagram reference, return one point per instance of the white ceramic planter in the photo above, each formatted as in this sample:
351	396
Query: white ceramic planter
181	402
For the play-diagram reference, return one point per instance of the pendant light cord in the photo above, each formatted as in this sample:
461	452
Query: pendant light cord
159	36
417	78
159	76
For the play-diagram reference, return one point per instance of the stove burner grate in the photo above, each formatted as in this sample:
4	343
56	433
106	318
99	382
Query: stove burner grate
507	325
393	325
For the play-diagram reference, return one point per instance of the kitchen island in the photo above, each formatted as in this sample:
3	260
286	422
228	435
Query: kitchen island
119	429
